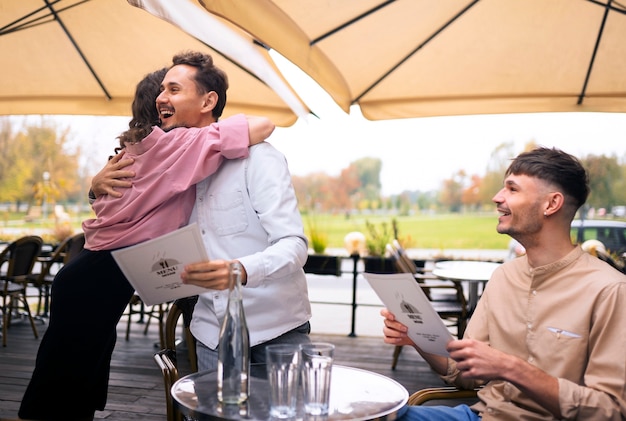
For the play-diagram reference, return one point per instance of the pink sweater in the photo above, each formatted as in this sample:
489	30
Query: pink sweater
167	166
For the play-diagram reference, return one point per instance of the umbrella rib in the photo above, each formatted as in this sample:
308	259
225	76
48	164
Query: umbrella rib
419	47
17	26
621	9
69	36
350	22
581	97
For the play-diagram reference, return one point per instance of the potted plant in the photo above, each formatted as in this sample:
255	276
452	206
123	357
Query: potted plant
317	239
320	263
376	241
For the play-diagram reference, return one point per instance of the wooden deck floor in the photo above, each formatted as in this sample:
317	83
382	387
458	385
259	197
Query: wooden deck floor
136	390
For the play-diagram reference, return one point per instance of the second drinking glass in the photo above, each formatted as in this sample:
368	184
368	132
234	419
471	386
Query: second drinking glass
317	364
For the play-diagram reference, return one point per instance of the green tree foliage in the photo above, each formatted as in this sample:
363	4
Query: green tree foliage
358	186
5	142
402	202
368	172
498	163
348	188
320	192
15	169
28	153
605	177
619	187
451	194
470	197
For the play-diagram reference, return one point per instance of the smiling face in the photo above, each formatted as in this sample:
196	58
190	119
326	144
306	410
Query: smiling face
521	204
180	103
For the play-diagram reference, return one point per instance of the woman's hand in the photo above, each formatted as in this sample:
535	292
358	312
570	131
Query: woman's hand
113	175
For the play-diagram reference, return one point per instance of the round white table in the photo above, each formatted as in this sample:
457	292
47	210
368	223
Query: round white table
355	395
472	272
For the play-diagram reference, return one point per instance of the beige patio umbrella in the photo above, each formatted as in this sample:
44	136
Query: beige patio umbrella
412	58
86	57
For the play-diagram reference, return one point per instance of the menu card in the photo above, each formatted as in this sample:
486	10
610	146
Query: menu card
403	296
153	267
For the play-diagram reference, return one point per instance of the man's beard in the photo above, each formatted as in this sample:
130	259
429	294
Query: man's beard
176	126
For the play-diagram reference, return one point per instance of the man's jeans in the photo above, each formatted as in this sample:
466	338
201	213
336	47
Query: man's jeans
437	413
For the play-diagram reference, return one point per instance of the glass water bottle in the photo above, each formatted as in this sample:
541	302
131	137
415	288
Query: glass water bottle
234	346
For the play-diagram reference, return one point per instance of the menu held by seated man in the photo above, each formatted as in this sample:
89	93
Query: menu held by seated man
403	296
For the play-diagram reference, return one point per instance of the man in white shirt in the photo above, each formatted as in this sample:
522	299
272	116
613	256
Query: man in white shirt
245	212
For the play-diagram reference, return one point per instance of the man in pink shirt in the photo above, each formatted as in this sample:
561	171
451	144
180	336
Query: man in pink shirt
90	293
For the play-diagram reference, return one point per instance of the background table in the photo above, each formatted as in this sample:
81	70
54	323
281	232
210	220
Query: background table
472	272
355	395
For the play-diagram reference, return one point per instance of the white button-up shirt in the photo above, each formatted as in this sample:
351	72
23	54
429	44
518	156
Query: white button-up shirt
248	211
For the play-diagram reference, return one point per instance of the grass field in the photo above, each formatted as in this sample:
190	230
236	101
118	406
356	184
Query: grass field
445	231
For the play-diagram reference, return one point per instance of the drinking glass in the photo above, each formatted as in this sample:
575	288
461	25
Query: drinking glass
317	363
283	368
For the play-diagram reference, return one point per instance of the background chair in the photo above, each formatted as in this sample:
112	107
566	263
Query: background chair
61	255
74	247
19	257
167	358
447	299
157	311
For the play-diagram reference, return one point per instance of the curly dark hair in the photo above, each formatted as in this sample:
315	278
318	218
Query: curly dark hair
145	114
208	77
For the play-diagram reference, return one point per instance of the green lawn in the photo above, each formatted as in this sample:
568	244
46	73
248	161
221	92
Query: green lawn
449	231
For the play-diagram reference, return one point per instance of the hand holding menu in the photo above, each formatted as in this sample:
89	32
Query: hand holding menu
153	267
403	296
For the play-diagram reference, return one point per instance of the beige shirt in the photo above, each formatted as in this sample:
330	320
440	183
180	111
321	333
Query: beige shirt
569	319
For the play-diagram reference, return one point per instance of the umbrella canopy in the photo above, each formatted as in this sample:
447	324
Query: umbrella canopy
412	58
86	57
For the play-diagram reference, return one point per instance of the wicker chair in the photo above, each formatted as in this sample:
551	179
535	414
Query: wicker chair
442	393
20	257
61	255
157	311
166	358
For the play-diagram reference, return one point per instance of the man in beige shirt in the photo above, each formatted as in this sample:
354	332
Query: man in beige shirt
548	338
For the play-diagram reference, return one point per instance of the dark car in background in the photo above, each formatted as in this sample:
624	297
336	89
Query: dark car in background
610	233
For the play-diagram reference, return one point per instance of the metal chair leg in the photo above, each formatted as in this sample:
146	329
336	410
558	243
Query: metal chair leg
396	355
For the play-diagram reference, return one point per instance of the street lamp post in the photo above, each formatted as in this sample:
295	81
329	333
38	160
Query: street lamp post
44	206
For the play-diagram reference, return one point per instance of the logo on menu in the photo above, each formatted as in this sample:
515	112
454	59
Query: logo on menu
165	267
412	312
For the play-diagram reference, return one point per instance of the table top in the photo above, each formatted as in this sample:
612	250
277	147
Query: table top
464	270
355	395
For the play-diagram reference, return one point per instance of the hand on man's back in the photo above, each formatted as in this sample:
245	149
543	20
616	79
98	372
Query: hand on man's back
113	176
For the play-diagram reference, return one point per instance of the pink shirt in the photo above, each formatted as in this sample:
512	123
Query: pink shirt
167	166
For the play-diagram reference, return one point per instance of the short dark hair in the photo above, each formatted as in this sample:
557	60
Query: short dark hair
556	167
208	76
145	113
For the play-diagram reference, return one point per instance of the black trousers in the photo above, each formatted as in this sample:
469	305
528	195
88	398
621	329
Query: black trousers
71	375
